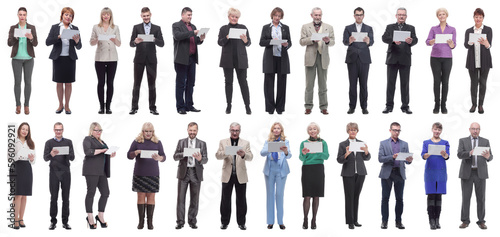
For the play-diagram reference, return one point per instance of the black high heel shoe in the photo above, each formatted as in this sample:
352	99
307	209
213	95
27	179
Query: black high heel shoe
269	227
305	224
91	226
103	225
21	225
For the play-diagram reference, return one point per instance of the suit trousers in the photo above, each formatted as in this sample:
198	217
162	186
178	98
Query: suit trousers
151	74
404	77
399	185
194	190
63	179
322	88
184	84
279	103
352	190
242	80
93	182
105	75
441	69
241	201
478	76
19	67
358	71
275	189
480	189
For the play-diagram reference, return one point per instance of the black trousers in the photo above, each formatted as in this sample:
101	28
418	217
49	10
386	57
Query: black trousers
194	190
242	80
241	201
478	76
441	69
358	71
352	190
279	103
404	78
93	182
151	74
63	179
105	75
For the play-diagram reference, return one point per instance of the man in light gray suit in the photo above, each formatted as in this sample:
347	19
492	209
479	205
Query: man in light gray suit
189	173
473	172
393	172
316	59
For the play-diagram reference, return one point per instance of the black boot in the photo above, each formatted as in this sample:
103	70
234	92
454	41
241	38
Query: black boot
248	110
436	108
437	213
101	109
141	209
228	108
431	213
432	223
444	110
150	211
108	108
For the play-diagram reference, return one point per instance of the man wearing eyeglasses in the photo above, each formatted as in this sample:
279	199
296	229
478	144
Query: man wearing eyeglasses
393	173
234	174
473	172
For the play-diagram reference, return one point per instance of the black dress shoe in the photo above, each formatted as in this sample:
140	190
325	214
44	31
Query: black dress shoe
351	226
407	111
223	227
154	112
444	110
248	110
350	111
179	226
472	109
357	224
193	110
436	108
101	111
228	109
66	226
383	225
181	111
133	111
242	227
364	111
400	225
269	227
52	226
193	226
387	110
279	112
480	109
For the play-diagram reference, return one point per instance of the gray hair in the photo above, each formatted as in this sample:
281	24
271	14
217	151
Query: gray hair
234	124
316	9
402	8
313	124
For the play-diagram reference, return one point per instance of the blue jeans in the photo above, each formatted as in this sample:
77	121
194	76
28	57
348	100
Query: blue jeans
184	84
399	185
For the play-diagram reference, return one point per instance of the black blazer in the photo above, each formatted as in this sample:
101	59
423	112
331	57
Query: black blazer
52	39
485	53
399	54
226	57
95	164
182	38
178	156
348	164
358	50
14	42
145	52
265	40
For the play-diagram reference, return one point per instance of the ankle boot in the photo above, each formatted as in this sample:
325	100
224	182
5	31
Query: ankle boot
444	110
101	109
150	211
141	209
248	110
436	108
228	108
108	108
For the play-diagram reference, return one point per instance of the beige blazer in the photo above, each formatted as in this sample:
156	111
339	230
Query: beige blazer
227	167
312	47
106	49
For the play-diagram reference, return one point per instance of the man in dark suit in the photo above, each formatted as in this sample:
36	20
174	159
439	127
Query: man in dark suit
393	171
473	172
186	44
358	60
399	59
189	173
145	57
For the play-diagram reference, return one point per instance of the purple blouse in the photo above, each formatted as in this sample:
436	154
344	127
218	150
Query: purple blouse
441	50
146	167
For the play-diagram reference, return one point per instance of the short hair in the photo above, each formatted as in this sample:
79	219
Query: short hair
276	10
140	137
108	11
442	9
70	10
186	9
145	9
359	9
271	134
315	125
316	9
234	124
479	11
402	9
395	124
438	125
22	9
93	126
233	11
192	124
58	123
351	125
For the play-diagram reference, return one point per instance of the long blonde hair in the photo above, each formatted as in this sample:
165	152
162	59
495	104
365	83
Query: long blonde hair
140	137
107	10
271	134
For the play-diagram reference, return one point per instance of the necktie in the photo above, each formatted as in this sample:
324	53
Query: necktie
190	158
474	160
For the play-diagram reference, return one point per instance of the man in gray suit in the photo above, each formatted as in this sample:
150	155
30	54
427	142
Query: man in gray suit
473	172
316	59
393	172
189	173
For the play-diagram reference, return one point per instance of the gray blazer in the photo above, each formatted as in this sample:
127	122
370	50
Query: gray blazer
348	164
385	157
464	148
178	156
95	164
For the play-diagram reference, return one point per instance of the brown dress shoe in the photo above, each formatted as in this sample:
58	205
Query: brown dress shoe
324	111
308	111
26	110
463	225
482	226
18	109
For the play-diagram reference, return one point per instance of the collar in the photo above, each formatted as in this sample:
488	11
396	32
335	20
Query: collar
144	24
62	24
317	25
279	24
185	23
402	24
194	139
472	138
392	140
360	25
25	26
352	140
481	27
55	139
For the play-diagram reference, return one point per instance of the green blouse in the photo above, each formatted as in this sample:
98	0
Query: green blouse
314	158
22	50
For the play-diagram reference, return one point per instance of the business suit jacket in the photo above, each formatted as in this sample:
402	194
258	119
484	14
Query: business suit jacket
178	156
485	53
227	167
226	57
52	39
282	160
358	50
95	164
106	49
385	157
14	42
348	164
464	148
145	52
265	40
182	38
312	47
399	54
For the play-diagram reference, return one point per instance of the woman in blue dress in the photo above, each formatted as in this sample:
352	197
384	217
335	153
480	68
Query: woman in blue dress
435	174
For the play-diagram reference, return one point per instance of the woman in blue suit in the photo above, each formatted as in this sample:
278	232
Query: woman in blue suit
435	176
275	170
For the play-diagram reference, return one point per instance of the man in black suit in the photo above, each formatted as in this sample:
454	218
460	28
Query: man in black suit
186	44
189	173
145	57
399	59
358	60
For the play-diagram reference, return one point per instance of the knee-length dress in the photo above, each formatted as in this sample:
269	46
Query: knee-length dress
435	175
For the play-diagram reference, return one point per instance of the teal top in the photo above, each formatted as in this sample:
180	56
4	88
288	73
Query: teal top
314	158
22	50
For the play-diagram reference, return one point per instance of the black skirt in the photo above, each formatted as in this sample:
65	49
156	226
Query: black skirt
63	70
146	184
313	180
24	178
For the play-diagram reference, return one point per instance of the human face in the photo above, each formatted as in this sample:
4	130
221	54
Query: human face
276	18
148	133
352	133
478	19
277	130
401	16
22	16
436	132
146	17
106	17
395	131
475	129
235	132
58	131
193	131
97	132
359	16
233	19
67	18
316	16
313	131
24	130
186	17
442	16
